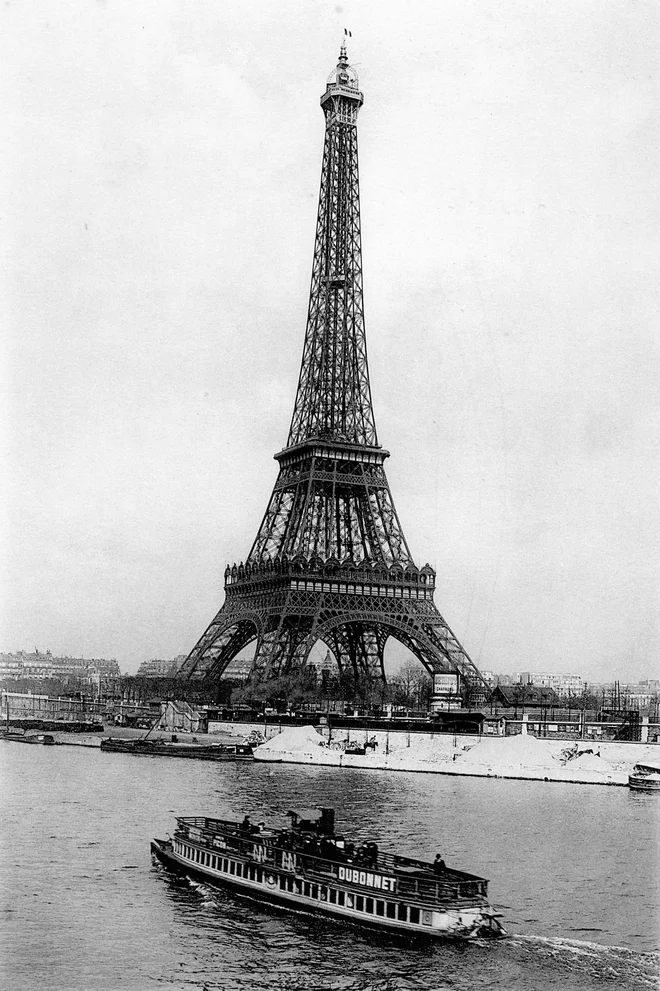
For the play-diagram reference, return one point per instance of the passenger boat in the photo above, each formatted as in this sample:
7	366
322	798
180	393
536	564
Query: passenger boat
166	748
306	867
645	777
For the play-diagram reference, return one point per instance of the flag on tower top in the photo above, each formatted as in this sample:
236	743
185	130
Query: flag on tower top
347	33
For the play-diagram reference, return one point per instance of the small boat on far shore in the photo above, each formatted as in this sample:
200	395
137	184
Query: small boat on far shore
45	739
174	748
645	777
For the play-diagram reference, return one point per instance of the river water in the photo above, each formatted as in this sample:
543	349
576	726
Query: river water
573	869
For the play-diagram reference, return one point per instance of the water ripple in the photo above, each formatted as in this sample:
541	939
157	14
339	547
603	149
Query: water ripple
83	907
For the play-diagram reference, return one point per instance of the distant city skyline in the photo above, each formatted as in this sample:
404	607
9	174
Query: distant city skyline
569	683
163	178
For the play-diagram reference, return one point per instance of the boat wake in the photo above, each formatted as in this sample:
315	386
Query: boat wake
526	962
617	966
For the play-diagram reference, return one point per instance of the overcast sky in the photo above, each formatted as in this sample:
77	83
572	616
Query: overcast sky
161	171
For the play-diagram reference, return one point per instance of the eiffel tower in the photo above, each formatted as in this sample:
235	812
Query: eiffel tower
330	562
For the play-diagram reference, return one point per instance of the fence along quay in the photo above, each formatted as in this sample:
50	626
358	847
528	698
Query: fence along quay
308	867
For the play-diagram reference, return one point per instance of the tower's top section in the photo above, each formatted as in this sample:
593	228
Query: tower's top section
342	98
333	402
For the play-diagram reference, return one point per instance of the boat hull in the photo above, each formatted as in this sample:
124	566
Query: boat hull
644	782
456	924
147	748
41	739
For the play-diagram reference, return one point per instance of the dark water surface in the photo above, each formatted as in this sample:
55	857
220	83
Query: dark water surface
574	870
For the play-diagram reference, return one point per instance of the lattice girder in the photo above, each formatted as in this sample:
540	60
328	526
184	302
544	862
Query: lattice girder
219	646
330	561
333	399
281	648
297	607
328	506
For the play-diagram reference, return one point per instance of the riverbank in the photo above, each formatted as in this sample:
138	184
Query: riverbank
523	757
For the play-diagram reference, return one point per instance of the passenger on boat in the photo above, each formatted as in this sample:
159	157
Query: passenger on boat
362	855
438	864
329	850
246	824
367	855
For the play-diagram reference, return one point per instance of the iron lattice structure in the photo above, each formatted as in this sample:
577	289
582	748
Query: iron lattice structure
330	562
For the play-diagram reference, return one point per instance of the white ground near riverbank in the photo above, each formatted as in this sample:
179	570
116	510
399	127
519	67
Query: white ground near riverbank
520	756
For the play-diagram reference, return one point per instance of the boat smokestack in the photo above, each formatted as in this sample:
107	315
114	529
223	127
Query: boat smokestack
327	822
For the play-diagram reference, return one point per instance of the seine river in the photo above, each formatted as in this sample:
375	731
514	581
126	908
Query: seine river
573	869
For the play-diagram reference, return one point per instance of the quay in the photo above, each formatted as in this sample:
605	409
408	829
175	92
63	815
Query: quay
461	743
521	756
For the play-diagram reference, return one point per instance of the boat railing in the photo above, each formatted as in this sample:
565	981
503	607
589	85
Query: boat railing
416	889
418	883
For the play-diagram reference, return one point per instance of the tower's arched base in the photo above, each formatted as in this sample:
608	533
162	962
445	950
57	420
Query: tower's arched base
289	608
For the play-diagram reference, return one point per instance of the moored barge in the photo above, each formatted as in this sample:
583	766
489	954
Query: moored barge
45	739
308	868
165	748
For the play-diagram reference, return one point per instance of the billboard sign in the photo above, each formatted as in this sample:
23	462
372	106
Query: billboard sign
445	684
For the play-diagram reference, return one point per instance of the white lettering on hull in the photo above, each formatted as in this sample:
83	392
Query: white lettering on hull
288	862
366	879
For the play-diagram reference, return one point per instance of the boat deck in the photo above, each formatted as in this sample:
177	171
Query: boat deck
284	849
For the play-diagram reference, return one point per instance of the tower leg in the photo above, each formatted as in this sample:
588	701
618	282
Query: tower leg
218	648
281	650
367	647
